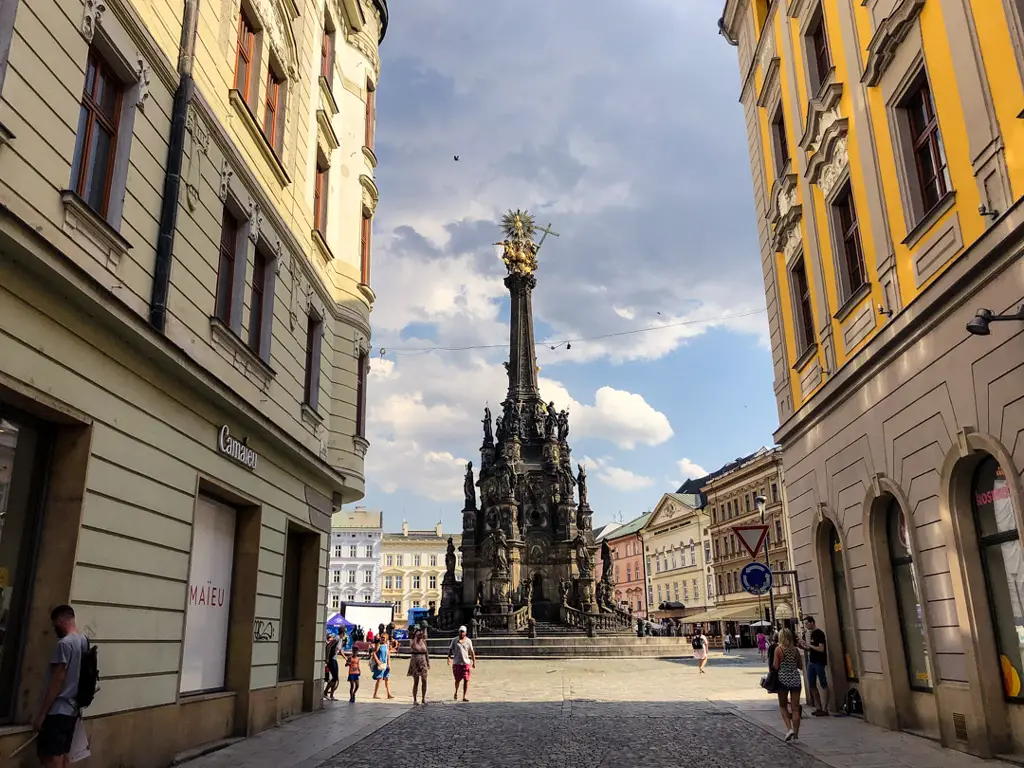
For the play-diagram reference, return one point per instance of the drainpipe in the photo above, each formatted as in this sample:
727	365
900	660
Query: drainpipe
172	177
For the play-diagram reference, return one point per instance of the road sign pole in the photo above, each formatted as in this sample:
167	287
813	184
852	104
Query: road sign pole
771	592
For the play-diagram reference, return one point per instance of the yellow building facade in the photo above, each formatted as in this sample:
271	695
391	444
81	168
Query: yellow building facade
412	569
884	140
186	191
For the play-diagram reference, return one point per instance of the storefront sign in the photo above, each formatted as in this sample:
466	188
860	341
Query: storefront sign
209	597
236	449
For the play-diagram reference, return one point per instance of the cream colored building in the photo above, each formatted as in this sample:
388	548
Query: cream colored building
675	558
182	356
412	568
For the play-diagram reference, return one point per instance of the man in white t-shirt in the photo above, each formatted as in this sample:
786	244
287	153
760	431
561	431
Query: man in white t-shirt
461	658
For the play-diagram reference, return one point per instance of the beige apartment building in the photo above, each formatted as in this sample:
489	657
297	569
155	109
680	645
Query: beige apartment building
412	568
184	336
676	566
884	145
731	495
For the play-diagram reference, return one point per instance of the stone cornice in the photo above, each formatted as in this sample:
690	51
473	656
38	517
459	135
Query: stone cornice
822	112
770	85
887	38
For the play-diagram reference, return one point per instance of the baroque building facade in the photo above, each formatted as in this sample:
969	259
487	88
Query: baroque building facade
185	202
673	547
626	547
412	568
888	201
353	565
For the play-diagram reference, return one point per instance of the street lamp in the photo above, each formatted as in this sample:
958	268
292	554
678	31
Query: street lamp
983	317
761	502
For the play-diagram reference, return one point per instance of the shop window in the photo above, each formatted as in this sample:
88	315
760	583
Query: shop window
1003	563
845	614
23	458
204	656
299	598
908	601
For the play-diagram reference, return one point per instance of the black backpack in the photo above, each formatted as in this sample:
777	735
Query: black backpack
697	642
853	704
88	676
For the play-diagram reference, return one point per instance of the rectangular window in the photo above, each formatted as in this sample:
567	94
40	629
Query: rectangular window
367	599
314	342
335	602
229	229
92	170
367	577
390	560
271	109
719	583
398	582
433	582
775	492
337	550
336	577
365	236
353	551
369	553
351	577
243	57
387	582
415	582
851	254
320	200
259	281
802	305
363	370
929	156
327	56
289	645
400	560
416	560
371	114
433	561
780	145
820	58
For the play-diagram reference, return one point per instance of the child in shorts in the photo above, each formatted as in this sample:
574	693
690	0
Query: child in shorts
353	675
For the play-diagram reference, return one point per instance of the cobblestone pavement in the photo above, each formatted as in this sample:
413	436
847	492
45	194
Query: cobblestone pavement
582	713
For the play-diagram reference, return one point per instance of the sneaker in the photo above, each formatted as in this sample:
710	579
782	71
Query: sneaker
789	735
795	739
819	713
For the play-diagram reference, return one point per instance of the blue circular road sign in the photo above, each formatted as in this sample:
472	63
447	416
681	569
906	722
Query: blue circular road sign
756	578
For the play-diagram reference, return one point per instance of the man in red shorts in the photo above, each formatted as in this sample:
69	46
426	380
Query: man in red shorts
461	658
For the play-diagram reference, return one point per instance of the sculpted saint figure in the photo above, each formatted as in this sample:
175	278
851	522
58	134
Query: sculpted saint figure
581	481
488	435
469	487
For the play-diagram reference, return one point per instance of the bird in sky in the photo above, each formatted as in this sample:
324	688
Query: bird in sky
456	158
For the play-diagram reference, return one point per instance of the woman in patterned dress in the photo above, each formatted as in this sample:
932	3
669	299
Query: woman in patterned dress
419	664
790	663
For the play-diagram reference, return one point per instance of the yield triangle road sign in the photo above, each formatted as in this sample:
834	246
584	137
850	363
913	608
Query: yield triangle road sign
751	537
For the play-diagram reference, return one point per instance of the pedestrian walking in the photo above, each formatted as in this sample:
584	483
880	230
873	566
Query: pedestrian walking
419	664
58	716
461	658
331	657
814	645
789	664
700	648
762	644
353	675
380	665
728	642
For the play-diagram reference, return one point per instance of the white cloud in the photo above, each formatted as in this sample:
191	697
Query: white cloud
616	477
690	470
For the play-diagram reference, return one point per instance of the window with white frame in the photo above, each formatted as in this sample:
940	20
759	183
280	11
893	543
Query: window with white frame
337	550
335	602
433	561
367	599
389	560
336	577
351	577
433	582
367	577
416	561
399	559
415	582
398	582
353	551
388	582
369	552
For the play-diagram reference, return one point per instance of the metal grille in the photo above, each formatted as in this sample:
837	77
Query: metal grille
960	727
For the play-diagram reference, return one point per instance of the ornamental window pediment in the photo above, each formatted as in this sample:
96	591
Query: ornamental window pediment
822	117
276	22
785	214
891	31
825	138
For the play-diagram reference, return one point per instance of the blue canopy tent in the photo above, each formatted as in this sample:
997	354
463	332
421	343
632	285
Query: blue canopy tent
336	623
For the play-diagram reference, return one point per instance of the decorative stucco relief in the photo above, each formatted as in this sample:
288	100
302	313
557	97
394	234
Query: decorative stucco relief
92	14
277	27
198	148
832	171
822	113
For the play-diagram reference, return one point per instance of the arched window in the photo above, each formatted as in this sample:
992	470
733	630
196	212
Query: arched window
908	602
999	541
846	625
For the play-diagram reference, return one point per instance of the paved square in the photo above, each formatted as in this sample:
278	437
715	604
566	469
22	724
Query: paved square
642	712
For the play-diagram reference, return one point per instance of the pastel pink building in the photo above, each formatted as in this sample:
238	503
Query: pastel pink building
626	549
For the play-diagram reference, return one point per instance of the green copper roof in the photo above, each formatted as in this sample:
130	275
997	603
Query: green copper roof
630	528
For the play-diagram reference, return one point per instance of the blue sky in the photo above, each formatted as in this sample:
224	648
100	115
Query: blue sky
622	128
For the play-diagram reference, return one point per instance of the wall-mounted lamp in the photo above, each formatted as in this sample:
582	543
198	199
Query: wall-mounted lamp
985	211
883	311
983	317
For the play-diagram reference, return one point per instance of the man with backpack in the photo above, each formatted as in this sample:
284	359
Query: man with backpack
700	648
70	686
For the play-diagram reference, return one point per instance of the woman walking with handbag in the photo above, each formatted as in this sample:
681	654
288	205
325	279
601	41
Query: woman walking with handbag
380	665
419	664
788	664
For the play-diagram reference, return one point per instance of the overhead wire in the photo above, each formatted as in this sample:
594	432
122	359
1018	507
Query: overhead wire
555	343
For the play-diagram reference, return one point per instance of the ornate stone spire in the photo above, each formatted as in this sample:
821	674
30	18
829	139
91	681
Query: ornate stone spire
520	257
